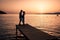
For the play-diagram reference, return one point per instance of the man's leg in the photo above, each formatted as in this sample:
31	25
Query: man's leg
20	21
23	21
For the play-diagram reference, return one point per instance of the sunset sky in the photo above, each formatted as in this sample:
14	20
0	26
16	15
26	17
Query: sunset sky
30	6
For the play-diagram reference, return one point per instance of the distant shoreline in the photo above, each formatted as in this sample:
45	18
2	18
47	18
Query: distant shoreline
2	12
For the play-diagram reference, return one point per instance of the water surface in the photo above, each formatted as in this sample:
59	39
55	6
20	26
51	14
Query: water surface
47	23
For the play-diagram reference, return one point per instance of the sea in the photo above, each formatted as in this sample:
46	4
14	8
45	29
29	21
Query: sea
47	23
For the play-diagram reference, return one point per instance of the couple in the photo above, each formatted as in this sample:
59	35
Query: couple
21	17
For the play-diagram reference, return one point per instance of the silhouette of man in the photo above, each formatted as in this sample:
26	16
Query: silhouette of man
21	17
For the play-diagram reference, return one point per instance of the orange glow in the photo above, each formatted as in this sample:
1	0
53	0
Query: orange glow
34	6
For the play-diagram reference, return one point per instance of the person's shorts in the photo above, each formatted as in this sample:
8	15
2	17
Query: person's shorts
21	19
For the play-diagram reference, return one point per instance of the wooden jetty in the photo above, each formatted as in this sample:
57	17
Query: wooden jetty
32	33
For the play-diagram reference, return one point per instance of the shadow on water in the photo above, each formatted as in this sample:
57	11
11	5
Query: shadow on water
32	33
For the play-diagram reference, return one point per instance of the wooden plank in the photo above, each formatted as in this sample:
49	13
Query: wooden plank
33	33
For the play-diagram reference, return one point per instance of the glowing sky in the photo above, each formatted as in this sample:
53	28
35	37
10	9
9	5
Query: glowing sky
34	6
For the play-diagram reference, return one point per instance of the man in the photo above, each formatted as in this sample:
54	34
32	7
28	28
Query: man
21	17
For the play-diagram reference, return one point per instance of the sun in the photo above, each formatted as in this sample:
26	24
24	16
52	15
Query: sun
42	8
